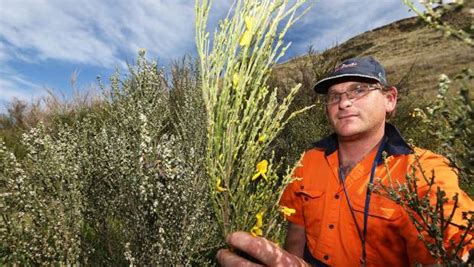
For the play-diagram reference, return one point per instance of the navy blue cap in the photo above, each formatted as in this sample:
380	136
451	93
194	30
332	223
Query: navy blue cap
364	67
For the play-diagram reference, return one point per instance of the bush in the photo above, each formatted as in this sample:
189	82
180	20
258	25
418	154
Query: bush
447	124
115	188
43	200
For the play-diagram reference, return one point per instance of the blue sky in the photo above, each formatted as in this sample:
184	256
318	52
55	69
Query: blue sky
44	42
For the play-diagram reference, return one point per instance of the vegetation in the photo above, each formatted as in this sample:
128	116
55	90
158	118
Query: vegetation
432	218
434	13
234	72
119	186
449	123
156	169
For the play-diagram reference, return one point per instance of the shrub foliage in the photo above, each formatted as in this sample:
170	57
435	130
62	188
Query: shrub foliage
116	188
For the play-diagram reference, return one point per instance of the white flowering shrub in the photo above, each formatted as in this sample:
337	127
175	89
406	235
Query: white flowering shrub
119	187
42	200
150	196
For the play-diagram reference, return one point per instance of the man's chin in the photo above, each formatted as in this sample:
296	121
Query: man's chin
347	129
348	134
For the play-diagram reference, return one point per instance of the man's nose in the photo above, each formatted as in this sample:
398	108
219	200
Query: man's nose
345	101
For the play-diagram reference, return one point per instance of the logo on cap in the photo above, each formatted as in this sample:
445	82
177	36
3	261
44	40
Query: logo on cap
343	66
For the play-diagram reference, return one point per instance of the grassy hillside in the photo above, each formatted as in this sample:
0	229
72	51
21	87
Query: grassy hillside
413	53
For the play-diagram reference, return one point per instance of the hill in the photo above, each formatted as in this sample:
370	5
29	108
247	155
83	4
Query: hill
413	53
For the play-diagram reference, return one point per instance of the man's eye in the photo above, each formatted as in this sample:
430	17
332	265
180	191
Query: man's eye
333	97
359	90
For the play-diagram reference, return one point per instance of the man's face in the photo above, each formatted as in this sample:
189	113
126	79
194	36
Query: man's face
360	116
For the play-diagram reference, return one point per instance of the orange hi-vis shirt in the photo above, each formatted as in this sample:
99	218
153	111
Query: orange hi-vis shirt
321	206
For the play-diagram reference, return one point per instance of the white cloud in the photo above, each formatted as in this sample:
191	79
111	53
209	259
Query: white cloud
3	53
107	33
42	30
96	32
18	87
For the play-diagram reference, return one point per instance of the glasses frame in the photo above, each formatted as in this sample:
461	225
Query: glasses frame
351	93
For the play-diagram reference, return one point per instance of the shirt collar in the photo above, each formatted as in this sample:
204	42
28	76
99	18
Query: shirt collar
394	143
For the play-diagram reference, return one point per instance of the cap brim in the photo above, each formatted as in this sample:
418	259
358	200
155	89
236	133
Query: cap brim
322	86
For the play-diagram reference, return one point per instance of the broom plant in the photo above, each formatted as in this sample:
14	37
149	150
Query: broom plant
243	113
432	211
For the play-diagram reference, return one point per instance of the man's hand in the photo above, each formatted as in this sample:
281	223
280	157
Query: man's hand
261	249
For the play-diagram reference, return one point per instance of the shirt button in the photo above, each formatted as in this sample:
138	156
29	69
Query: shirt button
326	257
336	196
331	226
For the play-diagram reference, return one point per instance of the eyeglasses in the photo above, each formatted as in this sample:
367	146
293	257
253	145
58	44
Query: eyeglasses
353	93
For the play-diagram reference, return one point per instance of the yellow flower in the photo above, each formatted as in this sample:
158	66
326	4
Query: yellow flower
259	217
256	231
247	36
257	228
262	168
249	22
219	187
235	80
287	211
262	138
245	39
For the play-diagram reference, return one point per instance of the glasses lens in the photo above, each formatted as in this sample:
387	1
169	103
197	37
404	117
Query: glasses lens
358	91
332	98
354	92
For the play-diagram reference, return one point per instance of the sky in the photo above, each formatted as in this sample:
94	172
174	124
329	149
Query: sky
44	44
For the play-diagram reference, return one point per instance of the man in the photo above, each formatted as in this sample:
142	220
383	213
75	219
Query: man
338	220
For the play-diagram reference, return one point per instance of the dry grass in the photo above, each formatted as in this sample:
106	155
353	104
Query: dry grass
27	115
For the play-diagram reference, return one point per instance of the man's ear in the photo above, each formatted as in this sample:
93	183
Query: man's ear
391	95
